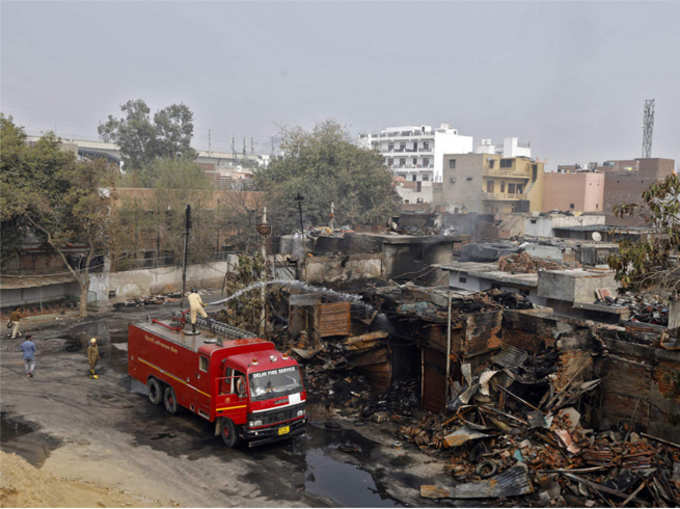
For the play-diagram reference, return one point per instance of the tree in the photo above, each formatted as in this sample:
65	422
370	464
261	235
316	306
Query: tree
324	166
64	201
650	263
141	141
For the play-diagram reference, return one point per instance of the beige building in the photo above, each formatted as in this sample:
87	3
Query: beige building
491	183
581	191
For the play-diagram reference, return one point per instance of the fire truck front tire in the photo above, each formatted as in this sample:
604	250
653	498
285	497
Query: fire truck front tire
169	400
155	391
228	432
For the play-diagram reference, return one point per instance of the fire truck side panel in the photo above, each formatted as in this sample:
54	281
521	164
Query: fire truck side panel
152	356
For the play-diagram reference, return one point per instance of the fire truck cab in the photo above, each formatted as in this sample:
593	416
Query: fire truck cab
249	389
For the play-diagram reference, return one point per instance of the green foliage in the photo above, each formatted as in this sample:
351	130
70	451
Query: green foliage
652	262
324	166
142	140
64	201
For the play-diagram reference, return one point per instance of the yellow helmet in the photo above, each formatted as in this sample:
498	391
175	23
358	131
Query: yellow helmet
93	341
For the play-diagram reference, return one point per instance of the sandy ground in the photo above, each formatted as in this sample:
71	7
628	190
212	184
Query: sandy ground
23	485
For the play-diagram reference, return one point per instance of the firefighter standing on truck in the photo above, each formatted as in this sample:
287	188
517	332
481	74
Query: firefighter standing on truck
93	357
195	306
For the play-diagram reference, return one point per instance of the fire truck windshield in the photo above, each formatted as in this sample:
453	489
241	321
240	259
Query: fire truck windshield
273	382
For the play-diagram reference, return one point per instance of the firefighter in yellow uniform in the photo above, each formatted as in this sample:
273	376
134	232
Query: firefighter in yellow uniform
93	357
195	307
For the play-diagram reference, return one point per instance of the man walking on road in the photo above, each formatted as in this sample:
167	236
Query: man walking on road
28	348
93	357
14	318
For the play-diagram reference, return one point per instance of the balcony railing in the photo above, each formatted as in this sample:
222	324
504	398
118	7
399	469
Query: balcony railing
498	196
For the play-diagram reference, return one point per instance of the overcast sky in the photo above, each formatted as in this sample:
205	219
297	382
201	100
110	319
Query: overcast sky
570	78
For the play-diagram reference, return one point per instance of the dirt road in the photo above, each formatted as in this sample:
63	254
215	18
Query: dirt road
105	433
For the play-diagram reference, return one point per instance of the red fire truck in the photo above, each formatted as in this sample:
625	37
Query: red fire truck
243	384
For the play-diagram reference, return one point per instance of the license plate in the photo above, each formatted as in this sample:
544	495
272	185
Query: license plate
283	430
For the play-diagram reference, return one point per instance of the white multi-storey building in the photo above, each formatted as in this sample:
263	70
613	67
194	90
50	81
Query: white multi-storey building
416	152
510	148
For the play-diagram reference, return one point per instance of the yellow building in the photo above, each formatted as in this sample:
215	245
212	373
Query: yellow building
512	184
490	183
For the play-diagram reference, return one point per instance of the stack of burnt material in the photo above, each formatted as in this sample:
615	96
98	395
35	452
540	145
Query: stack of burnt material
647	308
519	428
150	300
523	263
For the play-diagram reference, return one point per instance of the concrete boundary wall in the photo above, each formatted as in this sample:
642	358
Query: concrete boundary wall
114	287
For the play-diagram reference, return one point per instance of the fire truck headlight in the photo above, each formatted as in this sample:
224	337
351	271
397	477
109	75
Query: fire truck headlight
300	413
254	424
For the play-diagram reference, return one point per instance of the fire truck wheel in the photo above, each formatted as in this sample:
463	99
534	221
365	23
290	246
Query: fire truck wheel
169	400
228	432
155	391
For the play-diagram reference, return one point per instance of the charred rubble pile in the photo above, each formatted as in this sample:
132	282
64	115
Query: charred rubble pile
648	308
521	428
170	297
523	263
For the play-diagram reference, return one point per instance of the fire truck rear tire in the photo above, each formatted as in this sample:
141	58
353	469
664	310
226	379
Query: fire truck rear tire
169	400
155	391
228	432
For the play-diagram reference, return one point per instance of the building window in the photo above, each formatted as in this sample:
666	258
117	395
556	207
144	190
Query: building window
452	180
419	186
571	205
506	163
426	145
520	188
413	178
469	179
426	163
462	279
415	161
489	186
452	163
502	187
419	200
511	188
534	172
402	162
426	178
389	161
402	147
491	163
390	147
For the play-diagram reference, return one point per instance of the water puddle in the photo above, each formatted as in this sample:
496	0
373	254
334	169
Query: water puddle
23	438
346	484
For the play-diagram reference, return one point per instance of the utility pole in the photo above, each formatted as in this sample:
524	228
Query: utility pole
209	140
233	146
244	146
264	229
299	199
187	229
647	128
252	145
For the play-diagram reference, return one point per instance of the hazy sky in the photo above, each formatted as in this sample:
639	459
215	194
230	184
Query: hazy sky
568	77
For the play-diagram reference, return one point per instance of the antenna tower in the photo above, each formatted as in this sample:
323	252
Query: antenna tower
647	128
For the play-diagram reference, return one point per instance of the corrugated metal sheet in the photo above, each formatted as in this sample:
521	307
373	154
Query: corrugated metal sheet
511	483
334	319
510	357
